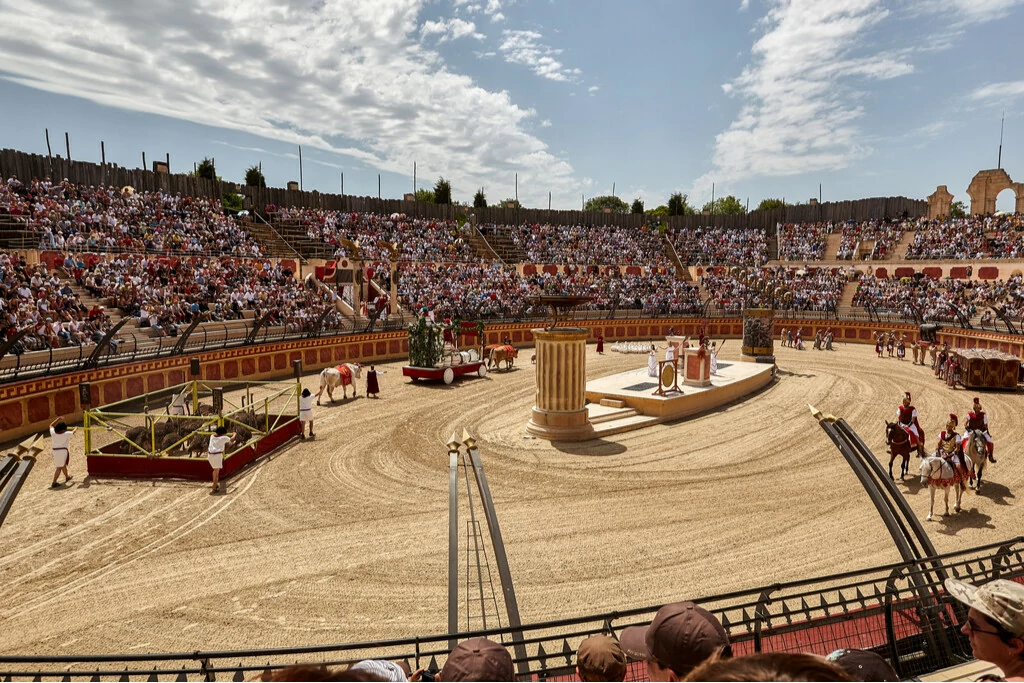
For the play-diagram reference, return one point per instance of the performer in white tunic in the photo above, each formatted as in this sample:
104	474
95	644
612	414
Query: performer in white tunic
60	439
670	352
714	359
306	413
652	362
177	406
215	453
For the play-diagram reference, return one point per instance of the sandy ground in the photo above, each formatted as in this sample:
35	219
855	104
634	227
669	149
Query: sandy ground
345	538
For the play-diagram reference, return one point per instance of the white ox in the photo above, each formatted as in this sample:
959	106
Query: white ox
339	376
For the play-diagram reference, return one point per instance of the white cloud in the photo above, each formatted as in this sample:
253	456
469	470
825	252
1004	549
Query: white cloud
744	5
593	89
999	91
546	123
798	105
450	29
525	48
969	11
346	76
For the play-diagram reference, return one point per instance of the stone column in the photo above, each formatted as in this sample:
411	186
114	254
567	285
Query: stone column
559	411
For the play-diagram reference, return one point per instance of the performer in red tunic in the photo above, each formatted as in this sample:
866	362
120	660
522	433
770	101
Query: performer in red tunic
878	344
906	416
600	343
977	419
372	388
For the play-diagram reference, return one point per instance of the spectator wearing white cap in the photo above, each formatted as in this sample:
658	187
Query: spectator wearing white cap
995	623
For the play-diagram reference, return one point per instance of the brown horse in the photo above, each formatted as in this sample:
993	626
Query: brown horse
898	441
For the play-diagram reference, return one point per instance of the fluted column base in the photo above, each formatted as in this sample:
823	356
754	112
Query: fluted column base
560	411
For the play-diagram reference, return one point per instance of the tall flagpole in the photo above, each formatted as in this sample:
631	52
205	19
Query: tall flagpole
1001	122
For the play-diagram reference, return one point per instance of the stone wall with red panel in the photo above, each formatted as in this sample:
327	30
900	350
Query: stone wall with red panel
28	406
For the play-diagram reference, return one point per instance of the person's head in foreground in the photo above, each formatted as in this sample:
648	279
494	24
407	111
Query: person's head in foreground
679	639
995	623
769	666
478	659
863	665
600	658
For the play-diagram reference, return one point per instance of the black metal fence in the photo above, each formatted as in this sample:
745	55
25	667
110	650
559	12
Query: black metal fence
914	625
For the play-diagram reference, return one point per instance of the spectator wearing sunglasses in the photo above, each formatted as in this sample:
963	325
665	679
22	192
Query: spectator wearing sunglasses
995	623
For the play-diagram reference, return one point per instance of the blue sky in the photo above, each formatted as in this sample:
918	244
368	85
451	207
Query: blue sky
763	98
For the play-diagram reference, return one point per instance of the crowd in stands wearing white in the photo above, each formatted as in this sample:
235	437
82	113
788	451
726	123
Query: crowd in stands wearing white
812	289
64	216
416	239
590	245
721	246
969	238
883	235
803	241
32	295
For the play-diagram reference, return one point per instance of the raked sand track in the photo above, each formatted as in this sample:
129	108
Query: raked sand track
345	538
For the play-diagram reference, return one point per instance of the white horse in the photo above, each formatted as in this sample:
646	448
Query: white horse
976	453
339	376
937	473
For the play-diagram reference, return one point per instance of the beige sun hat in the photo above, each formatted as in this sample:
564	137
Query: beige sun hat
1000	600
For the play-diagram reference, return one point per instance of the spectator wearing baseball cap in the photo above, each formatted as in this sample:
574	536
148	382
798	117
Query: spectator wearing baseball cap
680	638
863	665
478	659
600	658
995	623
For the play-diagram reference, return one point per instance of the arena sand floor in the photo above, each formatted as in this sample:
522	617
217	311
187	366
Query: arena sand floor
345	538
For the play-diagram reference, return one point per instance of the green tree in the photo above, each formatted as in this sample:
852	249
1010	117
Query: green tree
480	199
206	169
728	205
254	177
770	204
638	206
606	202
679	205
231	201
958	210
442	191
659	212
425	196
514	202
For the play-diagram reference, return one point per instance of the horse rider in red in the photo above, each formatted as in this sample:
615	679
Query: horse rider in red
906	416
951	450
977	419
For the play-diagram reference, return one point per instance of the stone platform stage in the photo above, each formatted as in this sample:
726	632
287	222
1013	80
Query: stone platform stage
626	401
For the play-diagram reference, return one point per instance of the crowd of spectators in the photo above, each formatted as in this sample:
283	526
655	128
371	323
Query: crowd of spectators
32	295
68	217
168	294
883	234
969	238
806	289
927	298
803	241
382	237
470	290
721	246
590	245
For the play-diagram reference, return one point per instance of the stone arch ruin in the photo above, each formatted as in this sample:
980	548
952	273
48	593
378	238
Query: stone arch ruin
983	190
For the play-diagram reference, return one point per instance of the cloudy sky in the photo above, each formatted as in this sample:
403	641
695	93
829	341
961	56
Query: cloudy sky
763	98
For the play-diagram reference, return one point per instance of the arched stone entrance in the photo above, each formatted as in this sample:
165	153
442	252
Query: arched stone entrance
986	185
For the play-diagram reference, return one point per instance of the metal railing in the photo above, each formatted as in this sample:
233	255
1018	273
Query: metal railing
886	609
